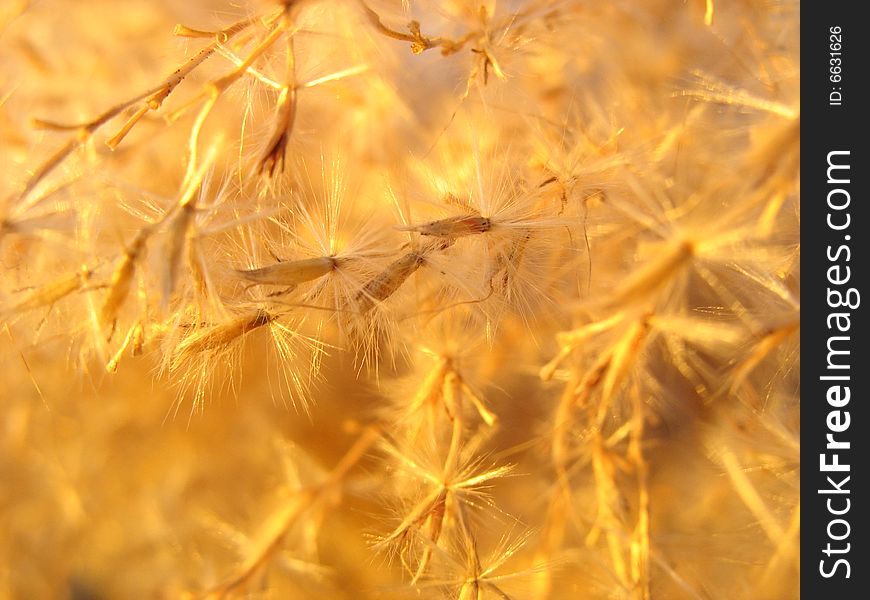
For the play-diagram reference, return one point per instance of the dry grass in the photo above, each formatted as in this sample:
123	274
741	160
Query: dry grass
400	299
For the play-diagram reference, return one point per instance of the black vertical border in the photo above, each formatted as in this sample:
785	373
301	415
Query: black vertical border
826	128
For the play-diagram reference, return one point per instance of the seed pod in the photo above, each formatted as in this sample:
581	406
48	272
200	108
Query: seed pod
53	291
650	278
178	235
290	273
452	227
272	160
388	281
122	278
220	336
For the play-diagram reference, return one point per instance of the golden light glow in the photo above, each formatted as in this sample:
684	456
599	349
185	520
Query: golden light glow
399	299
